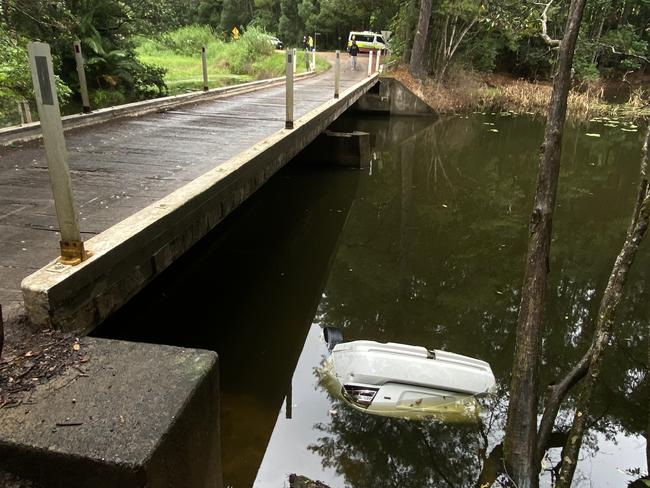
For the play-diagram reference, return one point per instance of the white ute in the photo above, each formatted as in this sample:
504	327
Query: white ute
393	379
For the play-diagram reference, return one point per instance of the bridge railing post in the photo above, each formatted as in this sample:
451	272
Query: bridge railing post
369	63
337	74
204	63
295	60
81	73
27	111
40	62
378	61
289	89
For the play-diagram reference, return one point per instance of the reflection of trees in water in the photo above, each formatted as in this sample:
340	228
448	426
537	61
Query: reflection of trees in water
437	261
371	451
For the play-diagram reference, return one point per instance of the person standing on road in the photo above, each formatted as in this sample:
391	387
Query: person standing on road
310	42
353	50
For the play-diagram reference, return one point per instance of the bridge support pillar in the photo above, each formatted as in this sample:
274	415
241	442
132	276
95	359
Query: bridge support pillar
350	149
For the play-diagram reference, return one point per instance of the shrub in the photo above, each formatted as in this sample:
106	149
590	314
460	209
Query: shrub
188	40
148	80
252	47
106	98
15	77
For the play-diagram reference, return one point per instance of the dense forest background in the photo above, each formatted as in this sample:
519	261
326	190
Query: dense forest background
476	35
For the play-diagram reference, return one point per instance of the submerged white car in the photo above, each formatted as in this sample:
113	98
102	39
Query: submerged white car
402	380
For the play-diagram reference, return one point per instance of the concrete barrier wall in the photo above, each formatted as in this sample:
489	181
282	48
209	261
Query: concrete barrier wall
393	98
130	254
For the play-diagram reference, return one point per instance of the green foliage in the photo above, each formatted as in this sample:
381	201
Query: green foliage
107	98
250	57
188	40
15	79
104	28
234	13
622	49
481	52
403	27
252	47
290	27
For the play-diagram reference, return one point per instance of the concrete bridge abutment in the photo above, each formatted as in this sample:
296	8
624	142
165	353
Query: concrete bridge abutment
346	149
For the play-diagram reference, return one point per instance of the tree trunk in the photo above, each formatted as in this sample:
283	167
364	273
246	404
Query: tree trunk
647	432
419	42
521	427
2	332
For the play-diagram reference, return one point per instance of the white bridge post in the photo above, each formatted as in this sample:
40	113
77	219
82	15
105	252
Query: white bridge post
81	73
295	60
289	89
378	61
337	75
204	63
40	62
313	59
369	63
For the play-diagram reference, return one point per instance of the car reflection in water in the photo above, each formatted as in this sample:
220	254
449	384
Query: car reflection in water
403	381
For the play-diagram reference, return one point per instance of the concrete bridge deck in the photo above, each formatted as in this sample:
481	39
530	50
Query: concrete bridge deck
121	167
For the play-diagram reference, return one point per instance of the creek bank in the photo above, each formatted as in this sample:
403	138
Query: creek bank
468	92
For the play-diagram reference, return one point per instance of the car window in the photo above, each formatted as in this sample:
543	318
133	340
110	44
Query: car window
363	38
380	39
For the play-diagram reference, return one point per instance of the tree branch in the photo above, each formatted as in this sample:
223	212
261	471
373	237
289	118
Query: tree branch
619	53
544	20
558	393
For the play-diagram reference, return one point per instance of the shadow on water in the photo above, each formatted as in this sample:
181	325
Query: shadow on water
249	291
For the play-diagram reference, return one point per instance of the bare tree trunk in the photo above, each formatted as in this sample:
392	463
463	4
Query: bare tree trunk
521	427
428	57
2	332
606	316
419	43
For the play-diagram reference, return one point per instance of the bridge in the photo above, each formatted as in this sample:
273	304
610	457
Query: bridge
147	187
150	180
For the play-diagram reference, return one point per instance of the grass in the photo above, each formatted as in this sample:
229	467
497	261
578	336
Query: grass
468	92
250	58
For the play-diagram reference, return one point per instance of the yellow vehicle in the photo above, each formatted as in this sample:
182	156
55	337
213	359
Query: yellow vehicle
368	41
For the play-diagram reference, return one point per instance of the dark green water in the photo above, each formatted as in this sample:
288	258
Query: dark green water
426	247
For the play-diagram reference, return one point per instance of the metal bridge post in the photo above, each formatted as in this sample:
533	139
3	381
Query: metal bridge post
289	89
369	63
204	63
337	74
81	73
40	62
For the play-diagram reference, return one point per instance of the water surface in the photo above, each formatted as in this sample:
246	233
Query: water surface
426	247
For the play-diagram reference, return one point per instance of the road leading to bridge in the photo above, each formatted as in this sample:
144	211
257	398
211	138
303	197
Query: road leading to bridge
121	167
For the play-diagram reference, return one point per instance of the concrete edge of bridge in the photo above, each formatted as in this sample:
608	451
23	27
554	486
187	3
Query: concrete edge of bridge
140	415
32	131
129	255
